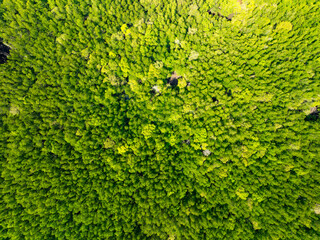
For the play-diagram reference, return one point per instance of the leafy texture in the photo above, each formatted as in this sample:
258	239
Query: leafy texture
160	119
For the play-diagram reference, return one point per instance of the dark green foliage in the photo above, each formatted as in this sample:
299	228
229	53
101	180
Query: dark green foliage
107	108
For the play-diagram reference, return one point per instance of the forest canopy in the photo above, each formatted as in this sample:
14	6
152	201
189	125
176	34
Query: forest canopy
160	119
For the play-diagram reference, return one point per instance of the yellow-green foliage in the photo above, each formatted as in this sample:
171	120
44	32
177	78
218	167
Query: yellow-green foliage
148	130
160	119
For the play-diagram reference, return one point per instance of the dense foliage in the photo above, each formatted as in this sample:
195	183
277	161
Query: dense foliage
160	119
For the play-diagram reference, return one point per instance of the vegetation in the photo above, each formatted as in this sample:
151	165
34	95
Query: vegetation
160	119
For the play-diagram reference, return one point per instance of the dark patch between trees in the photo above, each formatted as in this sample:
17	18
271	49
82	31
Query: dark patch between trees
214	99
4	52
314	114
229	17
173	80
